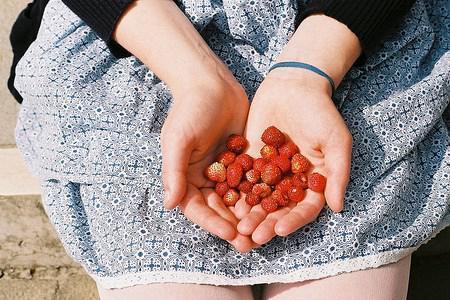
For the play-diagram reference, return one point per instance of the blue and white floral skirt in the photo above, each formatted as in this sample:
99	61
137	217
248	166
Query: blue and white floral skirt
90	123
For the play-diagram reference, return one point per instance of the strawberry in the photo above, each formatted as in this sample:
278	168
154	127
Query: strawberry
222	188
283	163
269	204
273	136
245	160
296	193
245	186
300	179
216	172
236	143
259	164
284	185
231	197
252	199
253	176
261	190
316	182
226	158
299	163
288	149
268	152
234	174
281	199
271	174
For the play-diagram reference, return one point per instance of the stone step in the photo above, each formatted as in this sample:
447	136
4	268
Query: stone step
33	263
14	176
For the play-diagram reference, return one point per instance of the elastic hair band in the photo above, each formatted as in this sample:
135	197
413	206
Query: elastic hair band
300	65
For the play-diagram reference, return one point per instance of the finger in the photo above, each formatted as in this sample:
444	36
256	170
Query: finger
196	210
216	203
303	213
337	162
243	243
249	223
241	208
175	160
266	230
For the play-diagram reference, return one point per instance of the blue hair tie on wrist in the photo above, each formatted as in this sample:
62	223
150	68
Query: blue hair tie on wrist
296	64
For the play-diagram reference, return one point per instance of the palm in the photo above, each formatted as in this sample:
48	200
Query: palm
311	121
204	207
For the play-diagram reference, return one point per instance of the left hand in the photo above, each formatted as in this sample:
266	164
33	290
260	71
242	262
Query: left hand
298	103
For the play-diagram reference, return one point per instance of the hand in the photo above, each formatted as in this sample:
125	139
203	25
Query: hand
298	103
208	105
199	122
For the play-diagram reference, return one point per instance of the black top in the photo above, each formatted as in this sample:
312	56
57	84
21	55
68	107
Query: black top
370	20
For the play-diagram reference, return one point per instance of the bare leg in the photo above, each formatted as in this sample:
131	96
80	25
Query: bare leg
389	282
176	291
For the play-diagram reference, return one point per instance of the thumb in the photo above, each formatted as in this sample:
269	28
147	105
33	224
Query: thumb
176	153
337	162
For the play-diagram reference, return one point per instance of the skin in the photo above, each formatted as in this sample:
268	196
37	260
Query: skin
173	49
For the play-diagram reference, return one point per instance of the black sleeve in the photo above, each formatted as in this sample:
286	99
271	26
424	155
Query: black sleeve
370	20
23	33
101	16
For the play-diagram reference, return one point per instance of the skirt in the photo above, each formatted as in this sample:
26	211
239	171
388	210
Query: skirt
89	129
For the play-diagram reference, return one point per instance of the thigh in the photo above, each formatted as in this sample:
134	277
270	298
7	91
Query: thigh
175	291
383	283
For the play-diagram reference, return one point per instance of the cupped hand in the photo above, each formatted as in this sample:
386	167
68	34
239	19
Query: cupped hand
201	118
299	104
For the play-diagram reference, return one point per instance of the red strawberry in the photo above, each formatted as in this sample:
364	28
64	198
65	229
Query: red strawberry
316	182
234	174
284	185
300	179
281	199
271	174
273	136
231	197
282	162
288	150
253	176
268	152
259	164
216	172
261	190
226	158
222	188
269	204
252	199
245	160
236	143
296	193
299	163
245	186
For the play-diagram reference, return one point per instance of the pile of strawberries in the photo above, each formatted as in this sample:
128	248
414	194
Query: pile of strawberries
273	180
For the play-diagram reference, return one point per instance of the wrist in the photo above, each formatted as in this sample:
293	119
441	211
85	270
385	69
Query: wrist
211	76
324	43
301	77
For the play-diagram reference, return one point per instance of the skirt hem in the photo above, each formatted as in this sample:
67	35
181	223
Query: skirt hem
318	272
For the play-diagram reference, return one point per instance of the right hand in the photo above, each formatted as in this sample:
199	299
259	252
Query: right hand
201	118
